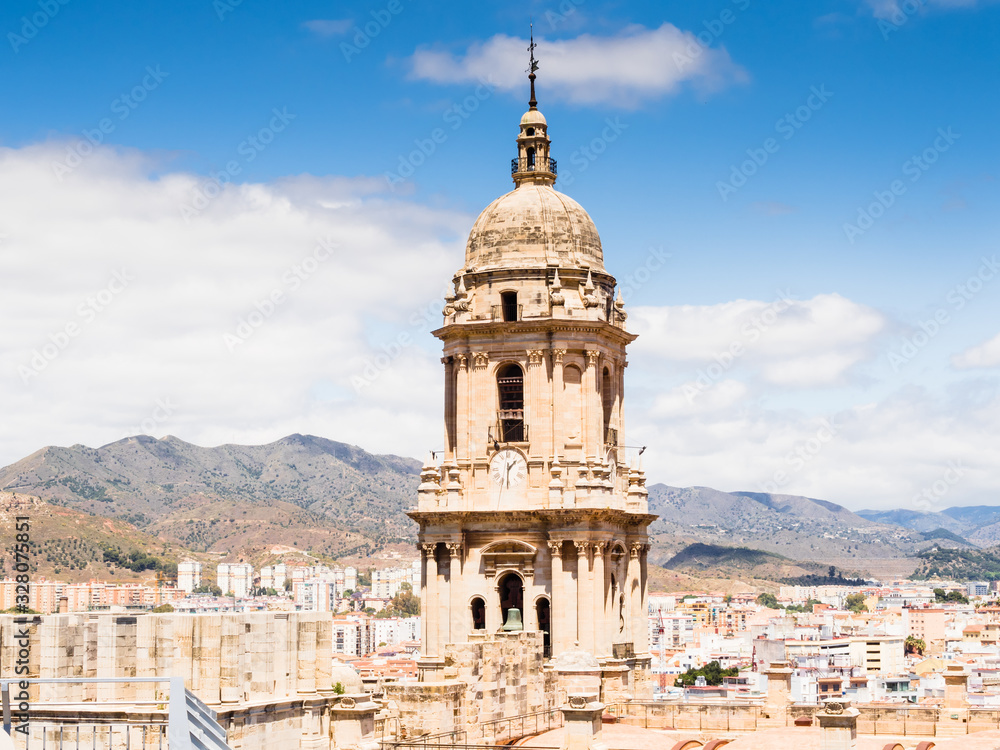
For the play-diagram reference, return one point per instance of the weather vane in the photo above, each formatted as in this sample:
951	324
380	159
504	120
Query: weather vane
533	64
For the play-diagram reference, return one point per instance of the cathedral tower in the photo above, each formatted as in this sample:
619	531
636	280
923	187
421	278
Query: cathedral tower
533	506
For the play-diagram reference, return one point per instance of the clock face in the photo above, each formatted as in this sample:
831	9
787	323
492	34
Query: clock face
508	469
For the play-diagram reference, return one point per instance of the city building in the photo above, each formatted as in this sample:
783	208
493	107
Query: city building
235	578
188	575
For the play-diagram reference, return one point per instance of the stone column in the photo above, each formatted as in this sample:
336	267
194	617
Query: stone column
462	424
602	646
585	597
557	598
536	409
591	442
839	725
450	435
429	612
634	596
457	631
558	432
642	644
582	720
482	410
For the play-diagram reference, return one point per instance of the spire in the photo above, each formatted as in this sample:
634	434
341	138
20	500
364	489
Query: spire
532	102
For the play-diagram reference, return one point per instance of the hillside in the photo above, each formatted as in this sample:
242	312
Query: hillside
975	524
301	491
75	547
959	564
799	528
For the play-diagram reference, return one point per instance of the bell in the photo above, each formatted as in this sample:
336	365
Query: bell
513	620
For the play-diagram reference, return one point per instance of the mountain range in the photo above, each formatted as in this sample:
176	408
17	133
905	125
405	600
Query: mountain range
331	500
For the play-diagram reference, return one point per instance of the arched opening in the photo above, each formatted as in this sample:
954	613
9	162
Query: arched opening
511	596
572	401
508	306
510	387
542	613
529	131
531	158
608	401
478	608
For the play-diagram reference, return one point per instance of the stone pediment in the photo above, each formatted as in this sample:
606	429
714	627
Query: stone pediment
509	554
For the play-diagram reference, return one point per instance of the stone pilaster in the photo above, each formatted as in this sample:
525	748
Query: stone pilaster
585	596
602	646
456	619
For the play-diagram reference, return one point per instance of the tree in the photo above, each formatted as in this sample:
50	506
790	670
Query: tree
162	609
856	603
914	645
768	600
712	672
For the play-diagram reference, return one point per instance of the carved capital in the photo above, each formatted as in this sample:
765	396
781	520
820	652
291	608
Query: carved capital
480	359
428	548
454	548
634	551
592	356
600	547
555	547
557	355
582	547
462	360
535	356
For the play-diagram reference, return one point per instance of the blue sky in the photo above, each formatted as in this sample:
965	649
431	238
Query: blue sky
361	85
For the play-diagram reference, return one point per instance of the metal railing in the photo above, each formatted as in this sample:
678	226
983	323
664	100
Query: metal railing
189	725
504	730
538	164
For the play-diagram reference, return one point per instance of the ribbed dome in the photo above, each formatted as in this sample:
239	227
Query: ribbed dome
534	226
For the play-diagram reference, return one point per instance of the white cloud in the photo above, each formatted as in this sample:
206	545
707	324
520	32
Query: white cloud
163	336
635	65
785	342
896	9
986	354
328	27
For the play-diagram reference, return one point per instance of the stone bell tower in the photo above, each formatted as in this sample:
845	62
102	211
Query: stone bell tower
535	517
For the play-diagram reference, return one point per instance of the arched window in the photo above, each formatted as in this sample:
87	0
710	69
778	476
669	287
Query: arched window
478	607
510	387
608	401
531	158
508	306
542	613
511	596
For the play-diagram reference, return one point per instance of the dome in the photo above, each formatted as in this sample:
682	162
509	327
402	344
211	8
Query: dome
347	677
534	226
533	117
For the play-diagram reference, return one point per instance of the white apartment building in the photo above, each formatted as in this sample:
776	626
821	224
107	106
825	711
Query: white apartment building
353	636
392	631
188	576
273	576
387	583
235	578
677	631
